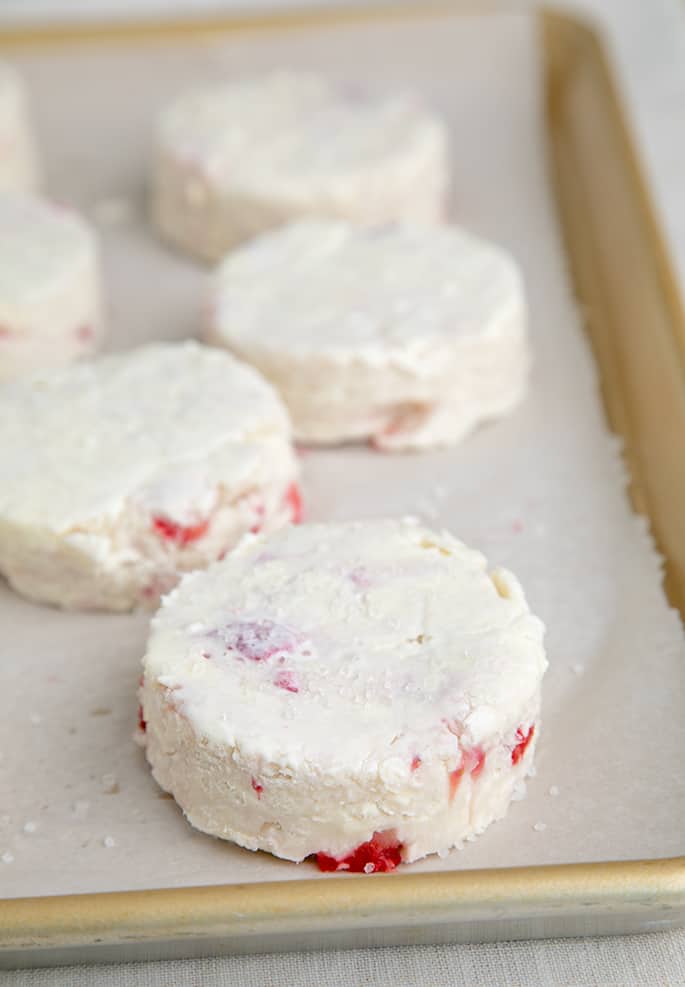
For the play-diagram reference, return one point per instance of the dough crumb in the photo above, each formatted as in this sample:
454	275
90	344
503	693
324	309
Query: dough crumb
110	786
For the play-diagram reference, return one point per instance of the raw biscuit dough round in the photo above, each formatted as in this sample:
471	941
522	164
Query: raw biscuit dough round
368	692
124	472
405	335
236	159
50	291
18	159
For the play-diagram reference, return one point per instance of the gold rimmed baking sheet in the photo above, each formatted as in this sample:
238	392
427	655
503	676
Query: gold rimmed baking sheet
535	124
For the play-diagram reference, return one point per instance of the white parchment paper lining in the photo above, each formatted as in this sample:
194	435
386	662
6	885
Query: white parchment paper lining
542	492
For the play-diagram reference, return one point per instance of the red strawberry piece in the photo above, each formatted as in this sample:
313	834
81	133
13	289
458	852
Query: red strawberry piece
293	498
286	680
180	534
258	640
256	787
378	855
472	763
522	741
455	777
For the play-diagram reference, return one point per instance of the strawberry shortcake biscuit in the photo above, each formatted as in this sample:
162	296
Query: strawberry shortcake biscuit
362	693
406	335
236	159
122	473
18	160
50	297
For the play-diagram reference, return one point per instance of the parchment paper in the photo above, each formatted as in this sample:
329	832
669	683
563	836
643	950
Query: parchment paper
541	492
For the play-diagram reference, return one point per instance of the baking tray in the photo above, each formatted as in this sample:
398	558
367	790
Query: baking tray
504	886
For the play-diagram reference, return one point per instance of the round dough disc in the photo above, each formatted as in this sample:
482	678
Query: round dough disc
236	159
367	692
123	473
406	335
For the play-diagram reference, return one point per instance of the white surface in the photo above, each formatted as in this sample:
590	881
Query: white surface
342	682
656	960
649	41
407	335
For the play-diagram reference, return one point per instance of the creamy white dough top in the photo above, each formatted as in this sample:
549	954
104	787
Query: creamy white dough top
308	649
76	442
292	135
42	246
397	293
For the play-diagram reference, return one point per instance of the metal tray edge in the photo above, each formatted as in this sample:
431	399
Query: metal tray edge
466	906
